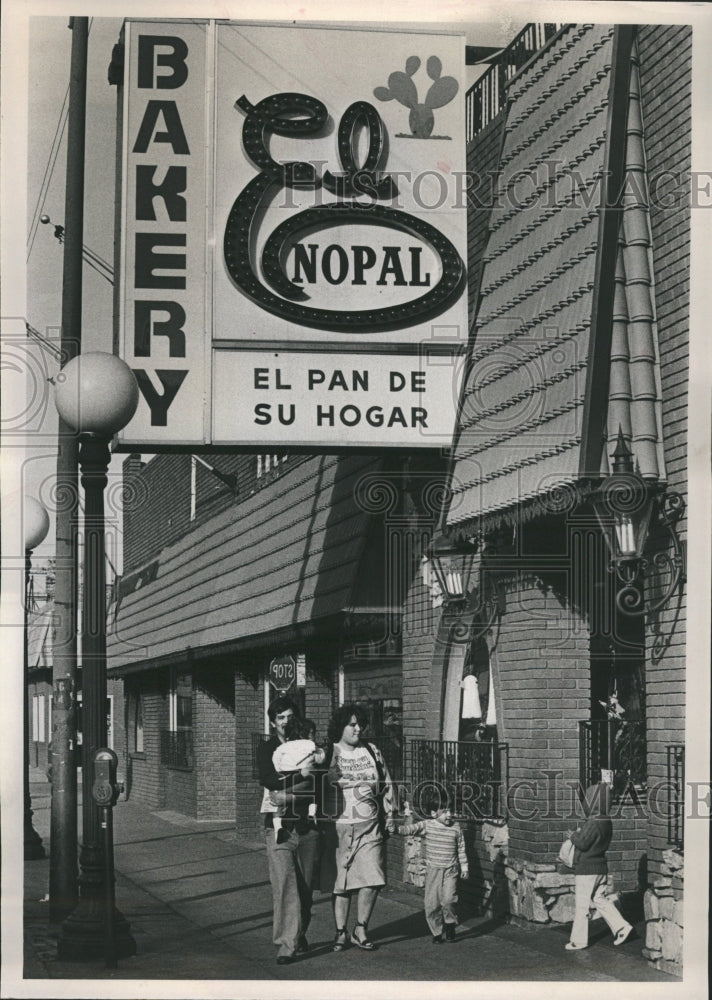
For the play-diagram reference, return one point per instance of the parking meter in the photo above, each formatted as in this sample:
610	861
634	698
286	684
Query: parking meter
105	789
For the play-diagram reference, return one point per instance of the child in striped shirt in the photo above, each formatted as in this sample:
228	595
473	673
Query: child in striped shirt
444	857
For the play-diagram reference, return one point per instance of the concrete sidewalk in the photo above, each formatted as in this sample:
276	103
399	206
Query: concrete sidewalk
199	906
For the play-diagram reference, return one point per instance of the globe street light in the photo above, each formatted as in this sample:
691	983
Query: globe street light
96	395
35	522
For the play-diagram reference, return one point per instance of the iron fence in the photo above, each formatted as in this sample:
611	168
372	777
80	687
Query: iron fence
474	774
617	746
487	96
177	748
392	749
676	802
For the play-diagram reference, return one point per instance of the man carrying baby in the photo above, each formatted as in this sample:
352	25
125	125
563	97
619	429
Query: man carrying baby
293	860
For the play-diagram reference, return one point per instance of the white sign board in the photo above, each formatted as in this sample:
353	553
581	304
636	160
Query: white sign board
293	201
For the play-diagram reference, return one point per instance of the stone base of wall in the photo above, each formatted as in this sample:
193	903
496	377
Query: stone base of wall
538	893
662	904
541	894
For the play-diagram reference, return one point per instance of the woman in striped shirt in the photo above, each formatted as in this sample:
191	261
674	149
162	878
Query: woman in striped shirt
445	857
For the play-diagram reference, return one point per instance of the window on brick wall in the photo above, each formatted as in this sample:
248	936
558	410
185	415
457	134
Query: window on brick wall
138	724
469	712
177	740
615	738
468	760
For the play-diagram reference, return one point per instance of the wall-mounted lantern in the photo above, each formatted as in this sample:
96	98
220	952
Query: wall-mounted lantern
470	592
627	507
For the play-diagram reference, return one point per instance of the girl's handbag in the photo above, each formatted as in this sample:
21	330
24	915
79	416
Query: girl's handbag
566	853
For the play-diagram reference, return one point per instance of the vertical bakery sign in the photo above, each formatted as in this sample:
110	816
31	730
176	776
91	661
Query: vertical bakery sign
293	237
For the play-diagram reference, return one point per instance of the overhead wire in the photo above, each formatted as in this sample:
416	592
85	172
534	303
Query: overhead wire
49	170
51	162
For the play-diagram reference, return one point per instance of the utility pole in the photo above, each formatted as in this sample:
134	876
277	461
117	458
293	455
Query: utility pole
63	873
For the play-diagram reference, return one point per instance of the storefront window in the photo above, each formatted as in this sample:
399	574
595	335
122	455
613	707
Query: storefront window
181	702
138	731
177	740
469	713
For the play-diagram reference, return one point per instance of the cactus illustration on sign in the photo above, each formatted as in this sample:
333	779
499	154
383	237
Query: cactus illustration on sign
402	89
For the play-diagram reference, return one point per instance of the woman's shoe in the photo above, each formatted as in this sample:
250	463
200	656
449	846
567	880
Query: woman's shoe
365	943
622	935
341	939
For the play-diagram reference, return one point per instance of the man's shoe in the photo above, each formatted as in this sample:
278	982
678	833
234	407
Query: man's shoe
622	935
437	939
449	932
302	945
285	959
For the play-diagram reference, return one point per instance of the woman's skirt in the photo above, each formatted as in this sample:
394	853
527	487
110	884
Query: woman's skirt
359	856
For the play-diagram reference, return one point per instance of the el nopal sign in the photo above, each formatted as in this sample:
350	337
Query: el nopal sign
283	673
293	234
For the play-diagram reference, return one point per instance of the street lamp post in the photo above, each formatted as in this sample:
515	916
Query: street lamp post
96	395
36	526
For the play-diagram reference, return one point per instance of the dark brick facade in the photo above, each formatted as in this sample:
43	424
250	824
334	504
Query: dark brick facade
665	68
249	719
145	780
214	741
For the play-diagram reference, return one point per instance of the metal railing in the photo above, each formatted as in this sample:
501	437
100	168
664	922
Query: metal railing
488	95
617	746
177	748
393	750
676	803
474	774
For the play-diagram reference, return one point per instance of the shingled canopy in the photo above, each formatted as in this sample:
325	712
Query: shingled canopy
275	564
564	344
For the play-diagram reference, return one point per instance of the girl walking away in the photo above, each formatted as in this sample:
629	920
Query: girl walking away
445	858
591	841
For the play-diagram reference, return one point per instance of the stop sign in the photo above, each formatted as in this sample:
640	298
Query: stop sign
282	672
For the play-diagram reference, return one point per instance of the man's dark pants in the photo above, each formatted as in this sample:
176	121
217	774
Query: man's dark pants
291	870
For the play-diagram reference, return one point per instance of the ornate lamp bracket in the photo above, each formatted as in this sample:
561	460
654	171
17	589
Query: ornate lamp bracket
668	509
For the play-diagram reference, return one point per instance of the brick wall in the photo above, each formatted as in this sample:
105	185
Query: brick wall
157	496
665	54
423	664
115	688
321	689
214	741
181	790
145	780
249	719
541	676
157	506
